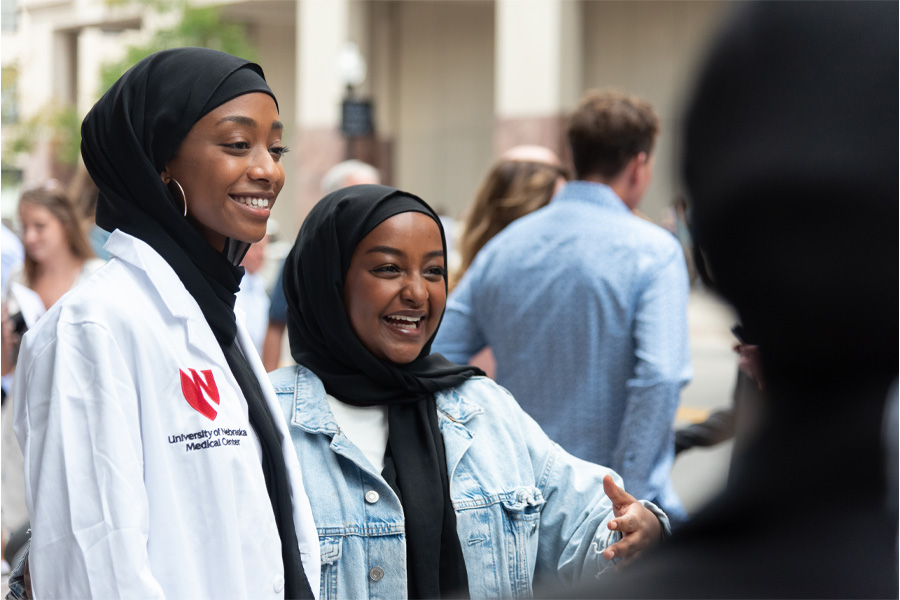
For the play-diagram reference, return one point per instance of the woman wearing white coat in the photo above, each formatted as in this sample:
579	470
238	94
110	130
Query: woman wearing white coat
156	460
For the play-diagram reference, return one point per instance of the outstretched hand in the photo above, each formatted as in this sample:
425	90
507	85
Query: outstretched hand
640	528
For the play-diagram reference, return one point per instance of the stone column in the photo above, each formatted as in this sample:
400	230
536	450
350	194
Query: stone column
538	71
322	28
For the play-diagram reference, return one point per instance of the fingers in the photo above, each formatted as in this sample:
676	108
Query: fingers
614	492
630	517
625	549
640	529
626	524
621	499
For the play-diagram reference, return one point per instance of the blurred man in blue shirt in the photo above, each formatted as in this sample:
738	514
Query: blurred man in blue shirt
585	306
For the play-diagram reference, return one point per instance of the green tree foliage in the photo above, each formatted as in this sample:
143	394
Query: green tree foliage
197	26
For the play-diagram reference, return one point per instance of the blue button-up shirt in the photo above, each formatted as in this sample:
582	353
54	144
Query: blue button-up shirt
585	308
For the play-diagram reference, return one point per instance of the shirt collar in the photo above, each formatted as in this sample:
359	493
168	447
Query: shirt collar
594	193
456	406
141	255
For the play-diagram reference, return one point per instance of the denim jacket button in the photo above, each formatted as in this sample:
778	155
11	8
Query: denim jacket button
376	573
372	496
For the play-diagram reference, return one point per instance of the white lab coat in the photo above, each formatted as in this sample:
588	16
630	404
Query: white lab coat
132	491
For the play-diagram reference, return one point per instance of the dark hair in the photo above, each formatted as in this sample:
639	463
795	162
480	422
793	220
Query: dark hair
608	129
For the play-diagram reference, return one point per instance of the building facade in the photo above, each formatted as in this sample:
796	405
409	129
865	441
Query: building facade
452	83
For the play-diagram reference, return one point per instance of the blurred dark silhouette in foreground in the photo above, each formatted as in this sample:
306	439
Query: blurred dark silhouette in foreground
791	165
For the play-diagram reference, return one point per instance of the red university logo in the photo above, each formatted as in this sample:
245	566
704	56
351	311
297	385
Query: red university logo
194	387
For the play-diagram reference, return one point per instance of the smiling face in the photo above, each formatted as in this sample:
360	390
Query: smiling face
230	169
43	235
395	290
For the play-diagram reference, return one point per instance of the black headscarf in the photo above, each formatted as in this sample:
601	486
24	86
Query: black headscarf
323	340
127	139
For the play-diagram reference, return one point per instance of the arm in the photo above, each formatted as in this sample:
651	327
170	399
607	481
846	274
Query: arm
77	421
271	350
460	337
589	523
584	512
662	367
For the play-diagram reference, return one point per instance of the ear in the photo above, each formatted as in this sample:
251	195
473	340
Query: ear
164	175
634	167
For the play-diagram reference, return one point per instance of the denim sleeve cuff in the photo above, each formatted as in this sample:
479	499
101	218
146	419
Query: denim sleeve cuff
661	515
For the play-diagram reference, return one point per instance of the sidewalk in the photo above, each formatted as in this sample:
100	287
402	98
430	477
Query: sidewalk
700	472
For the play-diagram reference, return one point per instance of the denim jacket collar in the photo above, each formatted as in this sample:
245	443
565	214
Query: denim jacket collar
311	412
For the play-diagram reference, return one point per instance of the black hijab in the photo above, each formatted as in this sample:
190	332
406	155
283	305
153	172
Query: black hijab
127	139
323	340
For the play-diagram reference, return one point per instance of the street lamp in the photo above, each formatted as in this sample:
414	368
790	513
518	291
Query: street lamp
356	113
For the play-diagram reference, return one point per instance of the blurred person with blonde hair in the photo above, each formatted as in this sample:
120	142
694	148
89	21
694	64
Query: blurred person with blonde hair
57	257
57	251
522	180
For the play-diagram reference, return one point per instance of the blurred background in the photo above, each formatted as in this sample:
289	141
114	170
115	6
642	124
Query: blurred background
429	92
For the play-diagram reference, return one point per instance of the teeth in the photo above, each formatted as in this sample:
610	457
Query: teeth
404	322
255	202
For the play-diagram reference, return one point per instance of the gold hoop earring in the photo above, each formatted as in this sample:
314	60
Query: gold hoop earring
180	193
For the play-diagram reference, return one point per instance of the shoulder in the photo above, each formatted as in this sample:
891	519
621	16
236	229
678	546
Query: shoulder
115	298
284	379
109	287
91	266
476	395
523	237
296	381
653	234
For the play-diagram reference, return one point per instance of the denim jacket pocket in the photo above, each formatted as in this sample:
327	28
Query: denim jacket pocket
522	509
330	548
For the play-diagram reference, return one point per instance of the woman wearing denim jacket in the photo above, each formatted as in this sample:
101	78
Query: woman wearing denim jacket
426	479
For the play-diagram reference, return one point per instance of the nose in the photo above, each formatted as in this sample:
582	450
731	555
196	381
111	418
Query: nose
264	167
414	291
29	235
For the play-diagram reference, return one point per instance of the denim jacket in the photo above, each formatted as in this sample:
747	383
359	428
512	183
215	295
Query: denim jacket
527	512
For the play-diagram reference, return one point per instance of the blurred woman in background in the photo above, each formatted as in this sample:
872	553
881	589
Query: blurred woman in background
521	181
57	252
57	257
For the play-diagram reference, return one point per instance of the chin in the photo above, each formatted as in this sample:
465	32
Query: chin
250	237
402	359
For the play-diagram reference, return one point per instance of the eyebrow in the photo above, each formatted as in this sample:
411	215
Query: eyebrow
247	121
397	252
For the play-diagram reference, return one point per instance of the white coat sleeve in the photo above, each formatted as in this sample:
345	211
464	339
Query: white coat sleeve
78	423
